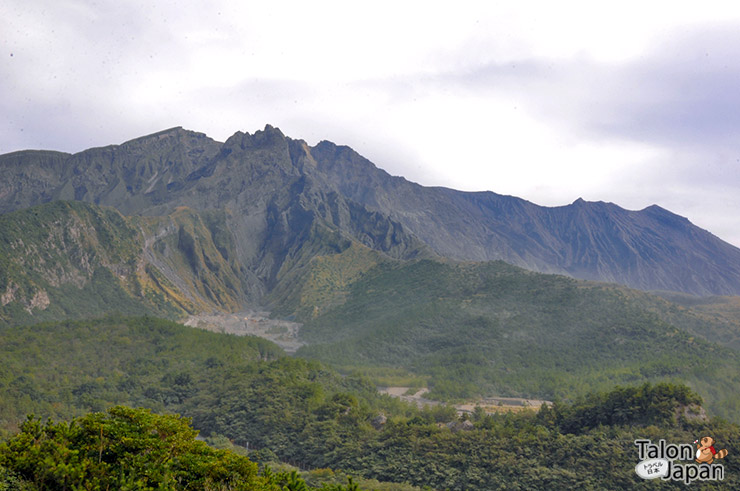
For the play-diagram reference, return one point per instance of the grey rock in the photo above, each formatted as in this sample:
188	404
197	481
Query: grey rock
286	202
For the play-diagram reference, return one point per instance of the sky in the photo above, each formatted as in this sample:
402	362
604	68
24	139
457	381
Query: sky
634	103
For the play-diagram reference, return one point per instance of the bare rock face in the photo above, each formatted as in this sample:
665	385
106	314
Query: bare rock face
219	226
286	202
650	249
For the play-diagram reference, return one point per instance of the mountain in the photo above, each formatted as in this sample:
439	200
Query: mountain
463	329
70	259
380	272
651	249
264	216
471	329
279	194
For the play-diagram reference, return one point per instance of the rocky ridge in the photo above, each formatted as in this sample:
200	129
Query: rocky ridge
286	202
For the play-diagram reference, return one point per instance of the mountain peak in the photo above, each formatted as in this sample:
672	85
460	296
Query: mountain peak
270	128
271	132
275	181
267	137
174	132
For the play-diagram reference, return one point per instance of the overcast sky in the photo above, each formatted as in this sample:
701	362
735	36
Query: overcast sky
636	103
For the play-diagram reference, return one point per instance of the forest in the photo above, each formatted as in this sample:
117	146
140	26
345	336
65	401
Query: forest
467	330
259	409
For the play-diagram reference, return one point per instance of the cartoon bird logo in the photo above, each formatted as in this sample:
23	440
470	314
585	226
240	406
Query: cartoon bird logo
705	452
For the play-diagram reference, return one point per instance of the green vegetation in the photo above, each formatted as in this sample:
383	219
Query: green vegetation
588	444
72	260
130	449
481	329
241	387
712	318
123	449
569	446
245	394
327	281
462	329
65	369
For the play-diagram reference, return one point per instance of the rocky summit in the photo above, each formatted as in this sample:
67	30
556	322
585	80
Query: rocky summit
275	203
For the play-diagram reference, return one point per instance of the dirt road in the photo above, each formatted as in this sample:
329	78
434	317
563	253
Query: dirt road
490	404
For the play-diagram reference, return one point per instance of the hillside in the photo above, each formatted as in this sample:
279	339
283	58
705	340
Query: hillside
72	259
234	389
243	392
75	260
277	193
65	370
482	329
69	259
466	329
651	249
62	370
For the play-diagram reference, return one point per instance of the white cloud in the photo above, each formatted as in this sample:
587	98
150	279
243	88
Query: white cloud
545	100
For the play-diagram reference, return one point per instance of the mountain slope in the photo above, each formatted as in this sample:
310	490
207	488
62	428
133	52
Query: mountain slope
65	259
276	190
470	328
477	329
651	249
71	260
222	225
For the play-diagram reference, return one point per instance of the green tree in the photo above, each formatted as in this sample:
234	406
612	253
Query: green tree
123	449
